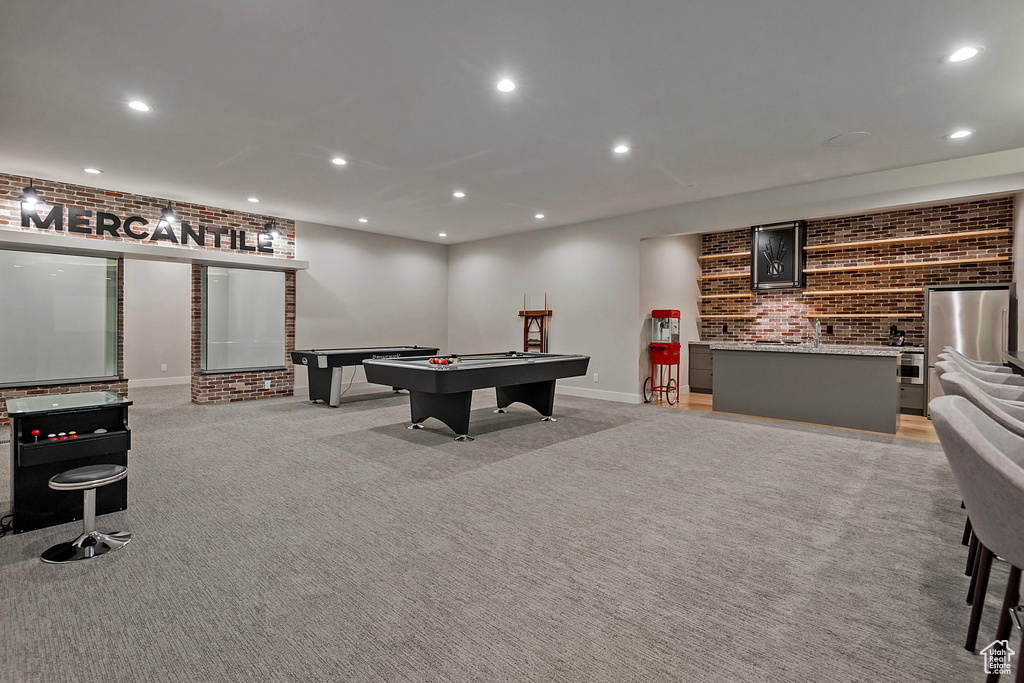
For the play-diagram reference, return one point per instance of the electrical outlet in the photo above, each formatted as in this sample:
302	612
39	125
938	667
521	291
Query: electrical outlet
725	329
595	376
828	329
266	384
163	367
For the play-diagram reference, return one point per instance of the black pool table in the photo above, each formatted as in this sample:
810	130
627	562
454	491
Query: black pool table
445	391
324	366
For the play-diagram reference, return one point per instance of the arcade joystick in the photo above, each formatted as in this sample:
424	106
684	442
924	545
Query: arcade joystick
35	435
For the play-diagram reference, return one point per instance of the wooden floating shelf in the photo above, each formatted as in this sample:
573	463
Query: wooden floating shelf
726	316
912	240
863	315
841	292
723	276
715	257
913	264
702	297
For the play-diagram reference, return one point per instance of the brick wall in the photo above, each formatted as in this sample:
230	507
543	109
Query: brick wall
124	205
120	385
779	314
205	388
241	386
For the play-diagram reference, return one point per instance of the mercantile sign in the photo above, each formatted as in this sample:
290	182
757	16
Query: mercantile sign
138	228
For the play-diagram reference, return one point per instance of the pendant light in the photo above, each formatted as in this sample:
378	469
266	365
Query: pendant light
167	215
29	195
270	228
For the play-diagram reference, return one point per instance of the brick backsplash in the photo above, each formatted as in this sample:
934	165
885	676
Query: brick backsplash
779	314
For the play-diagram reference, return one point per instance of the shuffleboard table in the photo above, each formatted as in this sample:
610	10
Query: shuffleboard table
443	387
324	366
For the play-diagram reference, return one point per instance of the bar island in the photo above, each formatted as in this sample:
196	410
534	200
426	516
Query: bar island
840	386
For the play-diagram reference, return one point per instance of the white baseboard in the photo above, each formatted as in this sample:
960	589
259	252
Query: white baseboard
685	389
158	382
616	396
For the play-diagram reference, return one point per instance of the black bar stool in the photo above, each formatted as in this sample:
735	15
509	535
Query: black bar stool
91	542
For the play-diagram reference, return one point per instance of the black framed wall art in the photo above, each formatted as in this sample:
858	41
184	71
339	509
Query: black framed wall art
777	255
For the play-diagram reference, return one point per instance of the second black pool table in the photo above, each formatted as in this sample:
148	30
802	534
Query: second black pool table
324	366
445	391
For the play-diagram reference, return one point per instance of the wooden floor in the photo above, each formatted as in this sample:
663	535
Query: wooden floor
911	426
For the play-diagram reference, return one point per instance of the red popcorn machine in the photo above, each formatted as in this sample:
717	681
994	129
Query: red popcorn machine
664	356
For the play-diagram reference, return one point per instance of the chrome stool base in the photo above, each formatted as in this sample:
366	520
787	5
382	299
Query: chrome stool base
86	546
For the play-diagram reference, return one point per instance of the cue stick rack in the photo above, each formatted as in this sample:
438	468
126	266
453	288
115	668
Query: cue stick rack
535	327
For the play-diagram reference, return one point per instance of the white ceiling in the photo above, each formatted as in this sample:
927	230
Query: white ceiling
254	97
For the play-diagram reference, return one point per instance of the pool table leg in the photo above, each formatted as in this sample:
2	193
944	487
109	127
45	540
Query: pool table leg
538	395
452	409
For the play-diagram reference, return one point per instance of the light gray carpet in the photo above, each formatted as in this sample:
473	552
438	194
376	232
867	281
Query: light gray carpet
281	541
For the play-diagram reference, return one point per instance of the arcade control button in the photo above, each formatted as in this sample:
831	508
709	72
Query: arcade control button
101	430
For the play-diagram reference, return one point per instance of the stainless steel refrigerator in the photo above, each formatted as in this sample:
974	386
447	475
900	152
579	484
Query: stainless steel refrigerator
977	320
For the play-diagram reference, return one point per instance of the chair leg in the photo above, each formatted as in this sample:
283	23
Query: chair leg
984	565
974	574
967	532
972	555
1010	599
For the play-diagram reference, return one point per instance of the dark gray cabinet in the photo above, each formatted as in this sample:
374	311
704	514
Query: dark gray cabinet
700	368
912	399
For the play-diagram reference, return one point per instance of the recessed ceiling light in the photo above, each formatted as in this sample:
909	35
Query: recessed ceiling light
957	134
254	200
621	149
94	171
459	194
364	220
505	85
338	161
847	139
138	105
442	234
539	215
964	53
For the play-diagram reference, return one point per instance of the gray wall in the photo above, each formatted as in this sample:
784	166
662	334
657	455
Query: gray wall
668	279
157	323
367	289
591	274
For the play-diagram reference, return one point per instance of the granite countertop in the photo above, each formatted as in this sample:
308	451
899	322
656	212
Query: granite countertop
828	349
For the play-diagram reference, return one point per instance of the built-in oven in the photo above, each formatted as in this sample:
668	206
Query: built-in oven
911	368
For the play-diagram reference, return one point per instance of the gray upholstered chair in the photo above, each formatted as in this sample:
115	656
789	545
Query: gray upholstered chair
988	466
994	377
986	365
1009	414
1002	390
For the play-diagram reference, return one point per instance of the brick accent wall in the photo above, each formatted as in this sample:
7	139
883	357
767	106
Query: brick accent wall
241	386
779	314
120	386
124	205
205	388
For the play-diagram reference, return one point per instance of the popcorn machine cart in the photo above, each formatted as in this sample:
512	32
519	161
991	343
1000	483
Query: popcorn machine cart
664	356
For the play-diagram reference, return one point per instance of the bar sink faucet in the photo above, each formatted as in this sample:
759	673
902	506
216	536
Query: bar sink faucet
817	332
